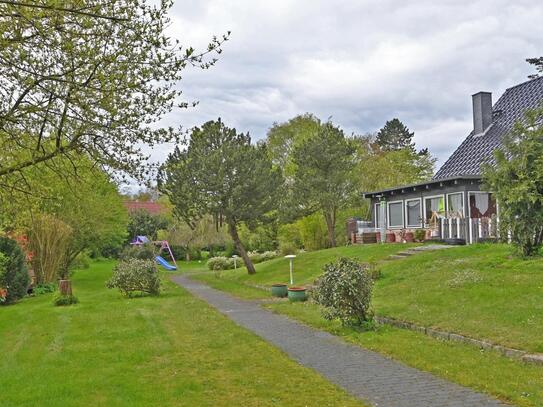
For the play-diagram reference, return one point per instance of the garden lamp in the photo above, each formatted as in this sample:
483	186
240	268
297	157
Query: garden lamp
291	257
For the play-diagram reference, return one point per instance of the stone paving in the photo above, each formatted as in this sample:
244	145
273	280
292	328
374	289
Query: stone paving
365	374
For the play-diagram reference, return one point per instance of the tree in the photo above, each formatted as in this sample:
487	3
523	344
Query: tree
395	136
322	177
222	174
538	65
142	223
87	201
517	181
91	78
283	137
376	168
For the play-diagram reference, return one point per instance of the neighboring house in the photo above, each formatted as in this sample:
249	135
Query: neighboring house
452	204
153	208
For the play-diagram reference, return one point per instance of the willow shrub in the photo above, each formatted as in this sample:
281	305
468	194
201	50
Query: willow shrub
49	240
344	291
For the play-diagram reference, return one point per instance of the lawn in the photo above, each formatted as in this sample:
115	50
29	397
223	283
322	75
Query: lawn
484	371
168	350
307	267
480	291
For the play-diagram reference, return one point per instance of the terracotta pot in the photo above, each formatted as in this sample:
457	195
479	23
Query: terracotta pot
409	237
391	238
297	294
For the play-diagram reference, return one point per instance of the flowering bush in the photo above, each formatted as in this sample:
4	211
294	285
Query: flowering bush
344	291
221	263
135	275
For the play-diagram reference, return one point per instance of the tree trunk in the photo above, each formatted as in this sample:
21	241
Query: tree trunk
235	237
65	287
330	218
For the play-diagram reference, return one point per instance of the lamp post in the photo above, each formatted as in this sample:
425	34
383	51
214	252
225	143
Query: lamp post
235	257
291	258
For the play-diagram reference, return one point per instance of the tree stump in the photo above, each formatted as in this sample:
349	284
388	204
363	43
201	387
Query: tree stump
65	287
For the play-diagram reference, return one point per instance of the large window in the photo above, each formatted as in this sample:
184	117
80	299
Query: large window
413	211
395	214
481	205
434	208
455	205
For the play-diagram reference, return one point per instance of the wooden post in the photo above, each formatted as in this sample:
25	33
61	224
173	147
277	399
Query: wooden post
65	287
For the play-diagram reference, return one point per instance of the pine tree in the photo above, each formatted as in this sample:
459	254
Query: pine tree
395	136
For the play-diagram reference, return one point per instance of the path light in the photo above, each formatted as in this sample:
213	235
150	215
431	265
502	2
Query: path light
291	257
235	257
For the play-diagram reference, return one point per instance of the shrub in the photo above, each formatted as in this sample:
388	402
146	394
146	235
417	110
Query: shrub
420	235
62	300
287	248
344	291
45	288
269	255
135	275
13	272
220	263
142	252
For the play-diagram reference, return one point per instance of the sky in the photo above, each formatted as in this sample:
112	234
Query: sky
359	63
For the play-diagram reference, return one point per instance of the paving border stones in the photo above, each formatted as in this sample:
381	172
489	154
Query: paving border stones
367	375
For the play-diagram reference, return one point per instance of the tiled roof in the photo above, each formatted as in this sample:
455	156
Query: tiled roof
154	208
478	149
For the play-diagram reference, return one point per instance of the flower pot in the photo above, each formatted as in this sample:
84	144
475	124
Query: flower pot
391	238
279	290
297	294
409	237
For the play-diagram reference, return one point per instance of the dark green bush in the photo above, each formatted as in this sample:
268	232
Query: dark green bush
14	275
420	235
142	252
135	275
62	300
344	291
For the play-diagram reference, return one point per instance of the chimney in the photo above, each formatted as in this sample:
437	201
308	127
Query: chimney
482	111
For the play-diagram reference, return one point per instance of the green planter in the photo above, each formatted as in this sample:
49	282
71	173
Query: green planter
297	294
279	290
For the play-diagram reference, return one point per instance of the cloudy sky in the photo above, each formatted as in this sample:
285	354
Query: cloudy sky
360	62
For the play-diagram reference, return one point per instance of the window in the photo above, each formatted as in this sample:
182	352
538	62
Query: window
434	207
395	214
413	212
481	205
455	205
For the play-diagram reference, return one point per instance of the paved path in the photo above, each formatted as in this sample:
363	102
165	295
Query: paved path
365	374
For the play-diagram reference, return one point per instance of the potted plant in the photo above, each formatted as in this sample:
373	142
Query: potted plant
297	294
279	290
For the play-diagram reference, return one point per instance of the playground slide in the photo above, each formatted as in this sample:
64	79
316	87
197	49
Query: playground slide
162	261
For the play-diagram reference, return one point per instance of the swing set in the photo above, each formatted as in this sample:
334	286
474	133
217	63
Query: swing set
164	245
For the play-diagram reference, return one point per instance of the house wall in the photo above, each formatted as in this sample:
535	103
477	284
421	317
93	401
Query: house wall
421	192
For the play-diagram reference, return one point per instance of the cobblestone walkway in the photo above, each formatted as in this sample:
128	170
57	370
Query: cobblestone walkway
365	374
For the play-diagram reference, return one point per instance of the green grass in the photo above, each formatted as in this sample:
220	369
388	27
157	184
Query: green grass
307	267
480	291
168	350
487	372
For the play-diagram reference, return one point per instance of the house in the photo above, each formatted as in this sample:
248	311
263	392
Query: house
453	204
153	208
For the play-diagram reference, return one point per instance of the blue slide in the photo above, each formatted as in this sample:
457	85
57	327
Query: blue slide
164	263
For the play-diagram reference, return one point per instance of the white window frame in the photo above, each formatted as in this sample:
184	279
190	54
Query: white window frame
377	213
388	214
463	203
406	218
431	197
